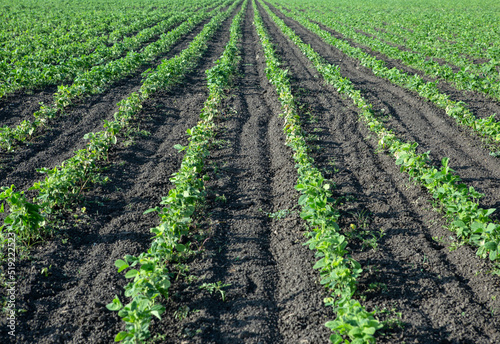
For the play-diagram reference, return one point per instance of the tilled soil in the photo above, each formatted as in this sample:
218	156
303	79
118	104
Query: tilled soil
23	103
482	105
65	135
414	119
251	232
68	305
443	296
274	294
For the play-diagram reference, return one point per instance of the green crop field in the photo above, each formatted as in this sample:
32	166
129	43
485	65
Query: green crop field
249	171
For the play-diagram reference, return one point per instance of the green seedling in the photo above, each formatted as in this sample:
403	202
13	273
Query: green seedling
214	287
46	271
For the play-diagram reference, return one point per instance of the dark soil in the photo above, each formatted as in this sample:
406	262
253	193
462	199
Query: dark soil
416	120
443	296
68	305
480	104
23	103
249	232
65	135
274	296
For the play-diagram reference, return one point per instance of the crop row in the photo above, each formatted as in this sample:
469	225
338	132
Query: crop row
28	28
338	271
487	127
30	73
428	46
459	202
481	78
471	33
65	183
96	80
36	53
152	279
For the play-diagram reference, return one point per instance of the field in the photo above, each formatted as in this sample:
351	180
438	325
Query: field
249	171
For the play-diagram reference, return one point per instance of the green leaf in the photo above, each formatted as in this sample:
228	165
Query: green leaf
477	227
121	336
148	267
179	147
489	212
151	210
116	305
336	339
131	273
491	245
156	314
121	265
369	330
319	264
180	247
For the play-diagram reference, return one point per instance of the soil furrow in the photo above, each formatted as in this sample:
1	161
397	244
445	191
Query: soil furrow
22	104
274	296
425	278
439	293
66	134
480	104
417	120
68	305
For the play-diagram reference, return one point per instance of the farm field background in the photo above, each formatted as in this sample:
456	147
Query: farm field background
250	171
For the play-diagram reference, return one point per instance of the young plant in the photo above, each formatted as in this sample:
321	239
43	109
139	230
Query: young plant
214	287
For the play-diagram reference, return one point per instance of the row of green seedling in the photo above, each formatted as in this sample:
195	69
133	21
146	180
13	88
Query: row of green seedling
487	127
445	30
33	73
338	271
67	31
96	80
421	45
470	34
471	77
81	41
458	201
64	183
151	276
430	46
36	70
49	29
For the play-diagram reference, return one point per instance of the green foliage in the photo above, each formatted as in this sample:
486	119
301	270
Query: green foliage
487	127
152	280
97	78
458	202
24	222
40	62
65	183
338	271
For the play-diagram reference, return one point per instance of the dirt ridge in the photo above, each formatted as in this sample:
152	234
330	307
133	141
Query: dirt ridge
69	305
65	136
438	292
